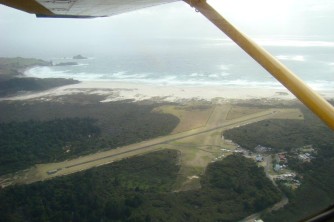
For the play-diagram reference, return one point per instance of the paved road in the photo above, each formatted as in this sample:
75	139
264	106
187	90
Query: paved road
276	206
268	160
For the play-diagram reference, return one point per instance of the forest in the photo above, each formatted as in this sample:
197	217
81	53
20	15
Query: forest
18	85
317	177
283	135
23	144
141	189
41	132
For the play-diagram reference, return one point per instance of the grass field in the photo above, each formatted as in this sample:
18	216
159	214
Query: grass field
239	111
191	116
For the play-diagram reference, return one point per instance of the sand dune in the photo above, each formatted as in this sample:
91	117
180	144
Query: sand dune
114	91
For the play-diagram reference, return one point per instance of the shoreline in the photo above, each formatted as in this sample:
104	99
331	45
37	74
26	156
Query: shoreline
117	91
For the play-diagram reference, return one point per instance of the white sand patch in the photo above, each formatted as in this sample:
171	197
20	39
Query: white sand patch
115	91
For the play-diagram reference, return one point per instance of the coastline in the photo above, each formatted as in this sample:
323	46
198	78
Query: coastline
116	91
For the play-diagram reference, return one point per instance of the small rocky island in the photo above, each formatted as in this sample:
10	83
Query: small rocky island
66	64
79	57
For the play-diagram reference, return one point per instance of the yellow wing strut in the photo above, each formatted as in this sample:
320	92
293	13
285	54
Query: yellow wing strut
304	93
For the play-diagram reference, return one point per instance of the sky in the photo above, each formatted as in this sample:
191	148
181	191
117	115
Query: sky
161	27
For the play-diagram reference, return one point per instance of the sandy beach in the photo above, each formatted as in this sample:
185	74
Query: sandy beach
116	91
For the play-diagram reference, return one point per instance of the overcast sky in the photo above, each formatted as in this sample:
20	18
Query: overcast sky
25	35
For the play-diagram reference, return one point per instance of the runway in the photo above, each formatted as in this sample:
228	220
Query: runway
216	121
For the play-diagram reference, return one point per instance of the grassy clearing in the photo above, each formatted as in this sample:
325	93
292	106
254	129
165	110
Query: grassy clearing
191	116
240	111
196	153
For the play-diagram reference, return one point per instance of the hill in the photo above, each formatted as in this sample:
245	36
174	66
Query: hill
12	80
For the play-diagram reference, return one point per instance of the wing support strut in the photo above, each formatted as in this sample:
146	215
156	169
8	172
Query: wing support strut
318	105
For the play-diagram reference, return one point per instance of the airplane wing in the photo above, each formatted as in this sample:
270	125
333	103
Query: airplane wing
80	8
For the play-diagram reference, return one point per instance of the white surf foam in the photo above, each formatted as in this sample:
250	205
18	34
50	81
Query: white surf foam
294	43
279	42
298	58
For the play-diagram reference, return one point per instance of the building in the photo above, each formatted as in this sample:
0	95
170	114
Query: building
262	149
259	158
277	167
282	158
304	157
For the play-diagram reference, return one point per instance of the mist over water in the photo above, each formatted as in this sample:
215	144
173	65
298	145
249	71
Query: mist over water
217	62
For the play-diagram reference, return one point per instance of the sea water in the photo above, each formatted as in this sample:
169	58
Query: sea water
218	62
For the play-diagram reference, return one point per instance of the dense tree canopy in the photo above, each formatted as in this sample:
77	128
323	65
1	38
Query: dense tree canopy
140	189
15	85
283	135
48	131
25	143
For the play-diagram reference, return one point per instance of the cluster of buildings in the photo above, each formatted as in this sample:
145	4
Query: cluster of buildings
305	153
289	179
286	176
305	157
262	149
281	162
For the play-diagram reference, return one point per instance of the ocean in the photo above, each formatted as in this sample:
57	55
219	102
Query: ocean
201	62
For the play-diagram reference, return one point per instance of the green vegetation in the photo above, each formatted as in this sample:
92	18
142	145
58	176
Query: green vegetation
20	62
10	67
139	189
23	144
46	132
232	189
109	192
315	193
123	121
15	85
282	135
317	183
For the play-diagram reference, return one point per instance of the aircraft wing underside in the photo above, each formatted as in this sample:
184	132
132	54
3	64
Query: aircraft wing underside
80	8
